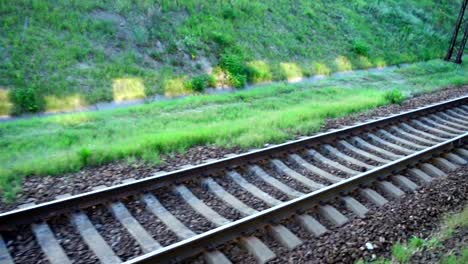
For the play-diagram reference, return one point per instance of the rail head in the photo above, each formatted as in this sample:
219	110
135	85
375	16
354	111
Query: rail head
9	220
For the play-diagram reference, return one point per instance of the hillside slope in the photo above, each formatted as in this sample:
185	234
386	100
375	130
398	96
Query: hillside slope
61	54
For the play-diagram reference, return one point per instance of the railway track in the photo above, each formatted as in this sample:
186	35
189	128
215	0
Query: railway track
318	182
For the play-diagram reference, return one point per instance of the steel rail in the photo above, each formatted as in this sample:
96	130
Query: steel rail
10	219
230	232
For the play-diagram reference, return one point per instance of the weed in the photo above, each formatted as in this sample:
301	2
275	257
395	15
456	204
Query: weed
200	82
453	259
321	69
5	104
451	222
172	48
291	70
401	253
260	71
360	48
395	97
229	13
343	64
141	35
222	39
84	154
237	69
416	242
26	100
157	56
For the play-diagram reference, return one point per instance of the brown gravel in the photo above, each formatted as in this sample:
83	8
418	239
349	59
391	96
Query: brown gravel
71	241
37	189
212	201
260	184
22	245
116	235
358	157
305	172
324	166
184	212
243	196
296	185
159	231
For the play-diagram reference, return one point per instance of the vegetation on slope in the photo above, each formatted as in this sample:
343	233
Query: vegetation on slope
62	54
57	144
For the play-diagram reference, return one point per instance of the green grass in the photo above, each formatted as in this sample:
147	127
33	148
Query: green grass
451	222
248	118
63	54
452	259
403	252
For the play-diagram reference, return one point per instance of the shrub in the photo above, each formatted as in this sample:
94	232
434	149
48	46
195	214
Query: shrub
260	71
360	48
363	62
156	55
26	100
291	70
222	39
343	64
140	35
394	96
200	82
237	81
229	13
321	69
176	87
5	104
238	71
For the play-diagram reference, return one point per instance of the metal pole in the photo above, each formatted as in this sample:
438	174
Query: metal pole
455	31
462	46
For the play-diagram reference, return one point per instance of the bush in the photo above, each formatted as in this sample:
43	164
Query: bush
229	13
343	64
176	87
321	69
26	100
291	70
394	97
222	39
200	82
238	71
260	71
360	48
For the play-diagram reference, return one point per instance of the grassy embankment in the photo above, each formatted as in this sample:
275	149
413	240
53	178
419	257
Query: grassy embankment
249	118
63	54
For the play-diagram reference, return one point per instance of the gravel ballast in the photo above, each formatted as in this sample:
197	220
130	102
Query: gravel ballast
416	214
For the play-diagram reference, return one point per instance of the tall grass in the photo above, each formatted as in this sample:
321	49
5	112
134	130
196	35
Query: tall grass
59	144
